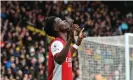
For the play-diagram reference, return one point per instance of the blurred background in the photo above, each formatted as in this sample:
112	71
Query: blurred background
24	44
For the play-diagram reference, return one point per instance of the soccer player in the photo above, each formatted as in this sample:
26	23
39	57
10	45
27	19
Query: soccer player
60	49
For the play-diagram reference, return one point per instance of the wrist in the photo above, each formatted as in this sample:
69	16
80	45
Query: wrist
75	46
78	41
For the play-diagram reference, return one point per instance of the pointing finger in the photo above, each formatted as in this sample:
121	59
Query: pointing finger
82	30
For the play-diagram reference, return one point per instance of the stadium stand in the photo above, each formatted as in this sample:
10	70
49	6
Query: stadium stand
24	50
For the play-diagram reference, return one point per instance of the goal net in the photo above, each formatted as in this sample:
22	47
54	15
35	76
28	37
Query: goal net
106	58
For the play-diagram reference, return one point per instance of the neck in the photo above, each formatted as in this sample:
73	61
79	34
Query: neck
63	36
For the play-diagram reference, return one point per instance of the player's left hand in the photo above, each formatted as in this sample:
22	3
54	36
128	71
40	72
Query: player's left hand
80	31
80	37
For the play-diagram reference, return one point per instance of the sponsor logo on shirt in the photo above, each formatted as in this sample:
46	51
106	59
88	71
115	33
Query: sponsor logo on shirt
69	61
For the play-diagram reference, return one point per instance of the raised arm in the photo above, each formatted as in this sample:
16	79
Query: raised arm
79	40
60	52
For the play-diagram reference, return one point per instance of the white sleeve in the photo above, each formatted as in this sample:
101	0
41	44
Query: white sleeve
56	47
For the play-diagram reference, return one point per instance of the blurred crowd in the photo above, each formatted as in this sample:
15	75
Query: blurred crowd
24	52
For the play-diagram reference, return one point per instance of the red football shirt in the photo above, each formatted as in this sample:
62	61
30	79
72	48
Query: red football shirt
55	70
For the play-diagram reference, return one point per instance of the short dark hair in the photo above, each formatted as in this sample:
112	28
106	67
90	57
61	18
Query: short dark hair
49	28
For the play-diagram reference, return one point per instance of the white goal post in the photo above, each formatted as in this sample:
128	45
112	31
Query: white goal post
106	58
128	41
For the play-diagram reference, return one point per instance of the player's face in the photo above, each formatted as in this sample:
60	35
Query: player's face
61	25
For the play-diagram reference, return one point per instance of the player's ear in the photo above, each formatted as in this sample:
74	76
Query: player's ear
56	28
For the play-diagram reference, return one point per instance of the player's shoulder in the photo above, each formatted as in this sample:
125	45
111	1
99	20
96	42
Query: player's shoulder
57	41
56	46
